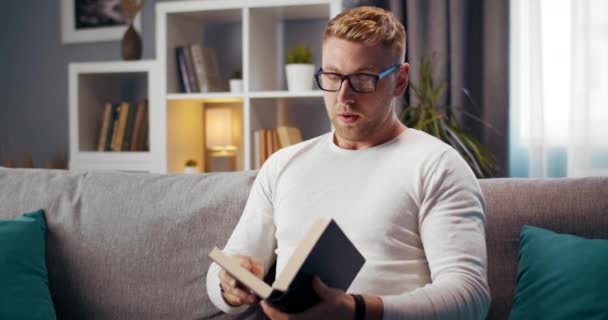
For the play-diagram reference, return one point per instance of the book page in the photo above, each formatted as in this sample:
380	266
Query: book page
248	279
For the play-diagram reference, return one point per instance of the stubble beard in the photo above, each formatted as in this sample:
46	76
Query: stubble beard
361	130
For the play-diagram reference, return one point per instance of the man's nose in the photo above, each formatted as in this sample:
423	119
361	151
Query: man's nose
346	93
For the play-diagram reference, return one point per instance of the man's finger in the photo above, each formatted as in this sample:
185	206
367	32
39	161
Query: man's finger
245	263
257	269
234	287
229	297
238	296
252	265
227	279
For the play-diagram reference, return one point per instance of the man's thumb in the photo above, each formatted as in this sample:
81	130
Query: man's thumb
321	289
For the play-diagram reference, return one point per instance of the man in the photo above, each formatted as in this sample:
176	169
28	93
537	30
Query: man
408	201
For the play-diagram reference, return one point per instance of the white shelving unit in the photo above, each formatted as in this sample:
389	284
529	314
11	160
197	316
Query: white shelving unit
93	84
253	35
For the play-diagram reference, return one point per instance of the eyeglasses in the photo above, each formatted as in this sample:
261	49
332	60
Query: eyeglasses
359	82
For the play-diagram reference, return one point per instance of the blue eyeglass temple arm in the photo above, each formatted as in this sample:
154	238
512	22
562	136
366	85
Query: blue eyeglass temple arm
389	70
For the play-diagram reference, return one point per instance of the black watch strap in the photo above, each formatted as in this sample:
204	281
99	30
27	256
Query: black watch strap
359	307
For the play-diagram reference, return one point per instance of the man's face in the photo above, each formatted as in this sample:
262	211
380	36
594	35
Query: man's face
361	117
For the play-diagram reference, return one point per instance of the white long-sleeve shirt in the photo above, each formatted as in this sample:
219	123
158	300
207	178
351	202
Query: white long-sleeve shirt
412	207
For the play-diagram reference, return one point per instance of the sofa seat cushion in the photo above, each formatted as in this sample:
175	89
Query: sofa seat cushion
560	276
24	289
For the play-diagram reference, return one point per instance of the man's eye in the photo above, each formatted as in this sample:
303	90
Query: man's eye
331	77
362	80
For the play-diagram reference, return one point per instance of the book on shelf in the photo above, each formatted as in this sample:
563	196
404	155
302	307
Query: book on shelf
275	141
324	251
138	126
288	135
257	153
270	148
264	147
182	72
268	141
212	70
105	123
193	82
198	69
124	127
113	123
126	143
121	123
143	142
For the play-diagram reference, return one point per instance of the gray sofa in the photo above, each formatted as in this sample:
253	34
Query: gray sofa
134	245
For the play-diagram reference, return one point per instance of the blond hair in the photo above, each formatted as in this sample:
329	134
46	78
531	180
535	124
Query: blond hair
371	26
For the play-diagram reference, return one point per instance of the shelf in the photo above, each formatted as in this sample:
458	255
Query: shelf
252	35
297	11
135	156
187	133
113	66
208	96
186	24
255	36
91	86
282	28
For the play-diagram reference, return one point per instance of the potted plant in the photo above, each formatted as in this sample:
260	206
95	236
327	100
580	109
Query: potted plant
191	166
299	69
236	81
440	122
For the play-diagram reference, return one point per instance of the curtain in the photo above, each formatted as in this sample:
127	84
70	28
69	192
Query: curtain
559	88
470	38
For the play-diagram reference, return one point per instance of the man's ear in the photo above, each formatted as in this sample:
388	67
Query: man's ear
402	79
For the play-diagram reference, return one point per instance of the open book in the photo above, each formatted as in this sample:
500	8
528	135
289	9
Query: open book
324	251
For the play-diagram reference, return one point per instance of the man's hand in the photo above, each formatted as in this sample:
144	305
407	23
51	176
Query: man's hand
334	304
232	291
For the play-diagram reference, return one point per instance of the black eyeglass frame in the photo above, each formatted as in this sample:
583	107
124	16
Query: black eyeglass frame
343	77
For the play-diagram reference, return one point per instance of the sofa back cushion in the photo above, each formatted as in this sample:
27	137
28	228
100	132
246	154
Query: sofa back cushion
576	206
134	246
128	245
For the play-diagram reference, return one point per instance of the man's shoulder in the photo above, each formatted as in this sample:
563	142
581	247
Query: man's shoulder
423	144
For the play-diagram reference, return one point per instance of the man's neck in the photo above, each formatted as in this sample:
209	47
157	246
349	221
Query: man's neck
391	132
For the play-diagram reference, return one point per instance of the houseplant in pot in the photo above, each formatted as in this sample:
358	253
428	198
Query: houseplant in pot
300	69
427	115
236	81
191	166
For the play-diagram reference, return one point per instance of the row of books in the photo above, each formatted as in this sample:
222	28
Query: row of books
124	127
197	69
268	141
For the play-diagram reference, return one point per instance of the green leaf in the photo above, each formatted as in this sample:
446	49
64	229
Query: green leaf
428	116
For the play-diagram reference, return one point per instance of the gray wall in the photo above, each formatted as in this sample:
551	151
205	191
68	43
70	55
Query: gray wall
34	75
34	79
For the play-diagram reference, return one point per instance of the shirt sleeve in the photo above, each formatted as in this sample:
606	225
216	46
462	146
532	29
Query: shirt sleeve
253	236
451	226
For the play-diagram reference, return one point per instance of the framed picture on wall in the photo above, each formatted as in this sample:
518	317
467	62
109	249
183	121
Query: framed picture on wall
93	21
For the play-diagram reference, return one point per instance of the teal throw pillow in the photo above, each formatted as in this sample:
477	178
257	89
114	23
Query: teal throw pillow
560	276
24	289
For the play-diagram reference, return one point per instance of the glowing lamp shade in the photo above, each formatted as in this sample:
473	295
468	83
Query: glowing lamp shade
218	124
